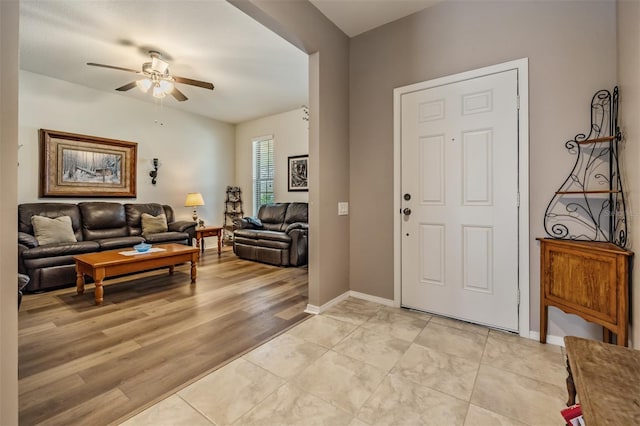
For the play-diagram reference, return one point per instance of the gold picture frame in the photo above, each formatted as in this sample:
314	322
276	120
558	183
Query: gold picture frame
73	165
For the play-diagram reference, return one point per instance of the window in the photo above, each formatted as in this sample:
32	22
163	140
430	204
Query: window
262	172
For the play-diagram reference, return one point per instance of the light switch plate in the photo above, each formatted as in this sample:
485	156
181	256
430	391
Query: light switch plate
343	209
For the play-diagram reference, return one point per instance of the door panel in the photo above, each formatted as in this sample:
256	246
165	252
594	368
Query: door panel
460	165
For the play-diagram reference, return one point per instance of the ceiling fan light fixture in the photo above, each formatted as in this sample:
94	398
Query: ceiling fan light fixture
166	86
158	65
158	92
144	84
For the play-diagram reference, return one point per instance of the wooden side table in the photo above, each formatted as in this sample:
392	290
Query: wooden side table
208	231
588	279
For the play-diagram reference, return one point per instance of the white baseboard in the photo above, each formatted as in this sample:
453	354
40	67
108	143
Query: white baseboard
375	299
554	340
315	310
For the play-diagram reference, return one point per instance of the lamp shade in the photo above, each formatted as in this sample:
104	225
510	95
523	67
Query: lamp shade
194	199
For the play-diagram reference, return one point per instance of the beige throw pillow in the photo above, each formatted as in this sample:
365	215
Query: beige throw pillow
53	231
154	224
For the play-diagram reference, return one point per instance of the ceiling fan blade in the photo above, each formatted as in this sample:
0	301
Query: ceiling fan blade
197	83
180	97
126	87
112	67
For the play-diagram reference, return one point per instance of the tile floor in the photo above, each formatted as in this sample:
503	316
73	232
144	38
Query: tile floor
361	363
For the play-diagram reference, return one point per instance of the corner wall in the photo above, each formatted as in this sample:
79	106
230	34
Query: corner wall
571	48
290	137
304	26
194	151
8	212
629	82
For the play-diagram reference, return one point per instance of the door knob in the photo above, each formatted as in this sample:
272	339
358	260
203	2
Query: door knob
406	211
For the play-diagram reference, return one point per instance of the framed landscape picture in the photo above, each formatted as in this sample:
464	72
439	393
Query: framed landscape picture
73	165
298	173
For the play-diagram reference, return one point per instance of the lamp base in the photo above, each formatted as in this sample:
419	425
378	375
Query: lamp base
195	215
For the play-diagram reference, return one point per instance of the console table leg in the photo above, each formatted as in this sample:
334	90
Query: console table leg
571	387
544	312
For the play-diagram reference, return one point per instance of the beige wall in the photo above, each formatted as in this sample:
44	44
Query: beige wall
571	48
290	137
193	150
304	26
8	212
629	82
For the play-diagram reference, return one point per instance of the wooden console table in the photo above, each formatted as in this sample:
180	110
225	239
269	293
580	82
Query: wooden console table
607	381
589	279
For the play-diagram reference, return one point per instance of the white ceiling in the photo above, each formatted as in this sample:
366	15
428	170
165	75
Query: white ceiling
254	71
354	17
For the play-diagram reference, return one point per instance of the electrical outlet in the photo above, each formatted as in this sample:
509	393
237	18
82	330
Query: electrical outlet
343	209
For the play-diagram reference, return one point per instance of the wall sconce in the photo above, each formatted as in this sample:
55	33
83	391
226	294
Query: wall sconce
154	173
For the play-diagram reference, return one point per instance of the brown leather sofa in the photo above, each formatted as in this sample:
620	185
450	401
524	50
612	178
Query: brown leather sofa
97	226
279	236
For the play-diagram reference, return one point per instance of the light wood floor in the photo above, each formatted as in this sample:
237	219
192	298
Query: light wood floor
86	364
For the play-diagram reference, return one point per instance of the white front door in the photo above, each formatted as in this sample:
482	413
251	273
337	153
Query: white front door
459	147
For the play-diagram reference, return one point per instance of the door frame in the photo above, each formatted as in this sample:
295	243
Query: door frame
522	66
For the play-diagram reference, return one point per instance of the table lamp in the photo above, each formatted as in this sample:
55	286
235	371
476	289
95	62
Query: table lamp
194	199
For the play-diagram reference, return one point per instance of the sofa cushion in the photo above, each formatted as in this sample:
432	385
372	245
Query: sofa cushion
63	249
52	230
27	240
167	237
282	245
238	239
118	242
102	220
297	212
153	224
273	236
48	262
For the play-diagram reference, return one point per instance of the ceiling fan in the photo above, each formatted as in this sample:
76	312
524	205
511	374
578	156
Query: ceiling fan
156	76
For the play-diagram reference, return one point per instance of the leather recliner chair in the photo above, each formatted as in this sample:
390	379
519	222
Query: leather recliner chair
279	236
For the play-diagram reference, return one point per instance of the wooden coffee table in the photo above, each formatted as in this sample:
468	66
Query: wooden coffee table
110	263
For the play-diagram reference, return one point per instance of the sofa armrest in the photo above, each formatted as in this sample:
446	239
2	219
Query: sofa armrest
242	224
181	225
27	240
298	251
187	226
297	225
21	268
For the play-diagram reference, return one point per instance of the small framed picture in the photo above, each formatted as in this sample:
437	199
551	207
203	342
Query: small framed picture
298	173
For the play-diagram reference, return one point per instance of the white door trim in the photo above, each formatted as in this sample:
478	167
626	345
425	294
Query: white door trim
522	66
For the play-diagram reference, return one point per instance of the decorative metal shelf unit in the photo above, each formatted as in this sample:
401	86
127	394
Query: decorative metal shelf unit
232	212
590	203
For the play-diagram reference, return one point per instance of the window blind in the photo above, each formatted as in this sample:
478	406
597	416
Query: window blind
262	172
